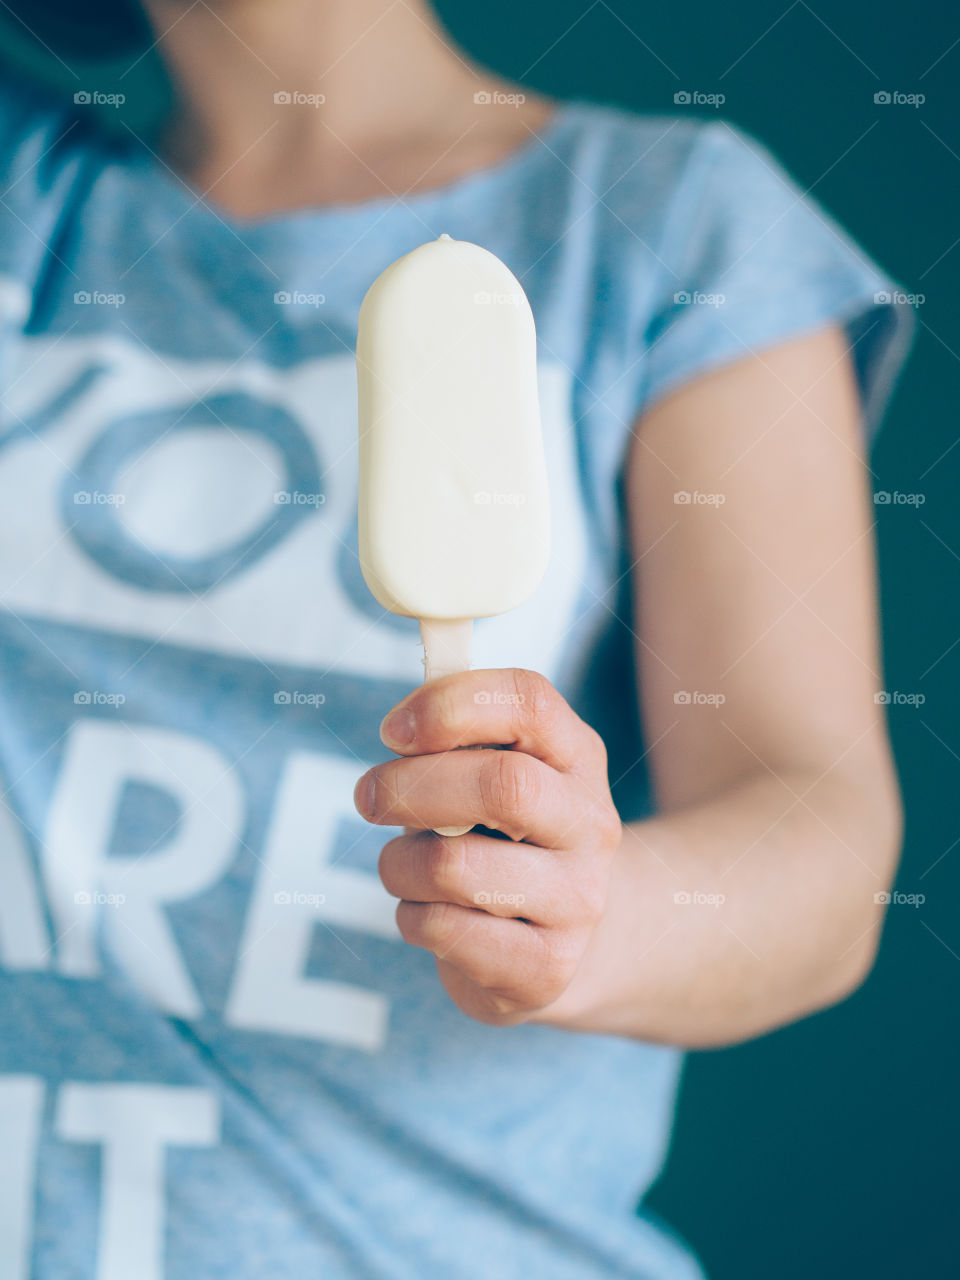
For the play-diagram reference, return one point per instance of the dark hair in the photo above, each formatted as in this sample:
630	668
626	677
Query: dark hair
90	29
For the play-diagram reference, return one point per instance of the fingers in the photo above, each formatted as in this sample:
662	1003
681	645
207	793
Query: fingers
508	965
508	920
509	707
505	790
508	880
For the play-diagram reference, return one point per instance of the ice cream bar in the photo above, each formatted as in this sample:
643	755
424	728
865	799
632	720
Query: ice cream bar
453	506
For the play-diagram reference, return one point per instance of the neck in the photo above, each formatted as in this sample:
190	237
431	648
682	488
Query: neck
386	89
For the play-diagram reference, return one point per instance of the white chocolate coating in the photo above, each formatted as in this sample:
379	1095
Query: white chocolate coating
454	515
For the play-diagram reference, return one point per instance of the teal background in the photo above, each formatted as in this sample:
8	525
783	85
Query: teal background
828	1148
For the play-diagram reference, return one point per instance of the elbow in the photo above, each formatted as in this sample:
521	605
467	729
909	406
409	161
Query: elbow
848	934
861	927
852	970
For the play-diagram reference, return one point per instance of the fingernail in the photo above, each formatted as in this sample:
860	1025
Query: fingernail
365	796
399	727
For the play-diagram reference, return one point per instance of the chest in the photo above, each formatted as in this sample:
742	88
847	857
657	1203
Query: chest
196	672
212	505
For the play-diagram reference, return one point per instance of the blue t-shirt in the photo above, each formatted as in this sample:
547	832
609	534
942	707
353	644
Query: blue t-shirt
217	1056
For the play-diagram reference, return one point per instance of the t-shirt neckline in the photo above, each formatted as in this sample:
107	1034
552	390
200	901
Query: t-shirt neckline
189	203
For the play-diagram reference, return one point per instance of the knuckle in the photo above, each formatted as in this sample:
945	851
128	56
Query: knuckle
443	862
608	827
595	750
500	1006
441	708
538	972
534	696
582	900
439	925
602	830
425	924
558	962
593	898
510	785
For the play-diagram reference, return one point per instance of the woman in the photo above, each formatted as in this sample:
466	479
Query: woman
226	1049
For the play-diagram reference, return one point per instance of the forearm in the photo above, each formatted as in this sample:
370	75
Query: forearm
742	913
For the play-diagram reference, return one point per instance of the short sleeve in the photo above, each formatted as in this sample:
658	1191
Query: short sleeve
751	262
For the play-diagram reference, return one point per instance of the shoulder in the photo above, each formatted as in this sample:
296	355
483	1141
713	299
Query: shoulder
707	250
647	167
661	197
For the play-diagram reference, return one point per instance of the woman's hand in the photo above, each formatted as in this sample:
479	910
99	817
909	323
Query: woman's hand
751	898
509	919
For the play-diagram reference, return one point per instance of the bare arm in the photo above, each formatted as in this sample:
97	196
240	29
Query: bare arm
780	813
749	899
